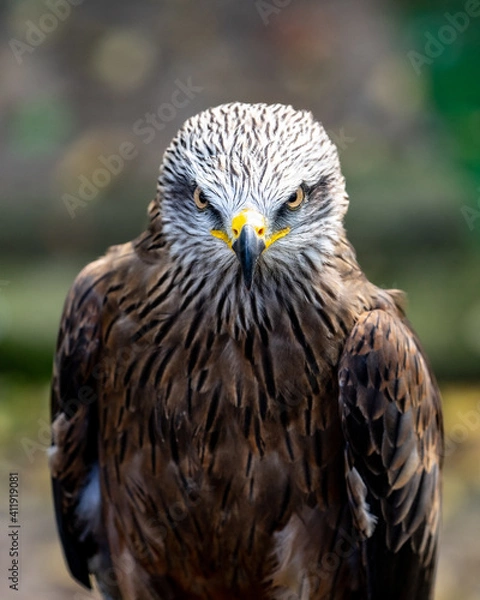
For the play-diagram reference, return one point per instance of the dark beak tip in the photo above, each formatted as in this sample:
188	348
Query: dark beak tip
248	248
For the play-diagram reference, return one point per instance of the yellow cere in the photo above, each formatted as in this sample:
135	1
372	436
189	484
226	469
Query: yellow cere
255	220
276	236
248	217
221	235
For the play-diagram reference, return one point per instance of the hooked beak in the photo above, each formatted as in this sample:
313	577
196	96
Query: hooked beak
248	240
248	230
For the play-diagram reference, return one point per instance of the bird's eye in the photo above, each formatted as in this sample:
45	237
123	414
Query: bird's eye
200	199
296	198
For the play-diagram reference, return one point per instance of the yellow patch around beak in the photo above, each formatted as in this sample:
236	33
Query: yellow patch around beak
256	221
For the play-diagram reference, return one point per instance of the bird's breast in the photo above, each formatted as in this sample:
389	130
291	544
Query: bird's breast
215	438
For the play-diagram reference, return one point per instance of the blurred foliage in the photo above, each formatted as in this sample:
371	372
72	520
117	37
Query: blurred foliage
39	126
407	140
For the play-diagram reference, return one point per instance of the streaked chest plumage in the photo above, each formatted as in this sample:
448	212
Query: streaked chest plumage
225	448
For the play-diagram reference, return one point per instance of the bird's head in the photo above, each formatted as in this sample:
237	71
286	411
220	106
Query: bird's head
254	187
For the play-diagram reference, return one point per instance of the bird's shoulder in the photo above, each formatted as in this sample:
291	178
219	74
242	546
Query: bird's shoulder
392	422
123	268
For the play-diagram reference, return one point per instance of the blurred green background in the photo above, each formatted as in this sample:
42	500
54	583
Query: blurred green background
397	86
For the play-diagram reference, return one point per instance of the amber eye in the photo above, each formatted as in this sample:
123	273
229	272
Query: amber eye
200	199
296	198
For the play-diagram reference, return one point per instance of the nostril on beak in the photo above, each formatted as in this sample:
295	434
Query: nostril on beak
261	231
235	232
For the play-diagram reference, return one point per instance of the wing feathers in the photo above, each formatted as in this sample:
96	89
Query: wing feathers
392	423
74	421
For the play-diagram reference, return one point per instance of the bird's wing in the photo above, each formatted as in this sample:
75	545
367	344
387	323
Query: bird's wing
391	416
73	455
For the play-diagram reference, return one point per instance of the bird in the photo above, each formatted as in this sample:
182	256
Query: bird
237	411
